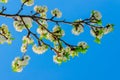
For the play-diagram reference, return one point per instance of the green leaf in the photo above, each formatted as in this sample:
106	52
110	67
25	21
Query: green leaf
67	55
12	38
92	12
99	22
24	41
97	40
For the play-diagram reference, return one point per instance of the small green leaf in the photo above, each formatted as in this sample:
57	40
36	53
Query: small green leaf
92	12
24	41
12	38
97	40
99	22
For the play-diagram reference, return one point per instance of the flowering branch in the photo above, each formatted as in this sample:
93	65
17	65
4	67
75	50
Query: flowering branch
64	51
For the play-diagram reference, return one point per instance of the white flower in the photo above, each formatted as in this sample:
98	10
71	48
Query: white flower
5	28
24	47
19	26
28	21
96	15
25	60
4	1
97	32
26	57
2	39
108	29
5	35
27	40
28	2
18	64
56	12
15	66
41	30
43	15
39	49
56	28
58	31
71	52
57	59
40	9
83	44
50	37
77	30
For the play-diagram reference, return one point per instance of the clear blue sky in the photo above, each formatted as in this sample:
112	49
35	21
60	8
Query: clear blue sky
102	62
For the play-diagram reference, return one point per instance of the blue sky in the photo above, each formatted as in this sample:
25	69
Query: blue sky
102	62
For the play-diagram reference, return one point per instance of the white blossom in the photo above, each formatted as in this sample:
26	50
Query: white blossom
58	31
4	1
19	25
56	12
57	59
5	35
24	47
43	15
28	21
50	37
83	44
41	30
27	40
28	2
18	64
71	52
2	39
39	49
97	15
77	30
97	32
40	9
108	28
5	28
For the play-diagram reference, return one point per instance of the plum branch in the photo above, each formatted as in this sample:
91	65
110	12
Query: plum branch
63	50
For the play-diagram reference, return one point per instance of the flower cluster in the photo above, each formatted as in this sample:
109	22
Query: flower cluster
26	40
18	64
57	31
41	30
40	9
19	25
77	27
40	49
96	16
3	1
64	54
5	35
98	32
59	59
108	28
82	47
56	12
51	37
28	2
61	56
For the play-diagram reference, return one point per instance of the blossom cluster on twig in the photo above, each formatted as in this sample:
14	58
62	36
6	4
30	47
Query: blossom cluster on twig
63	53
